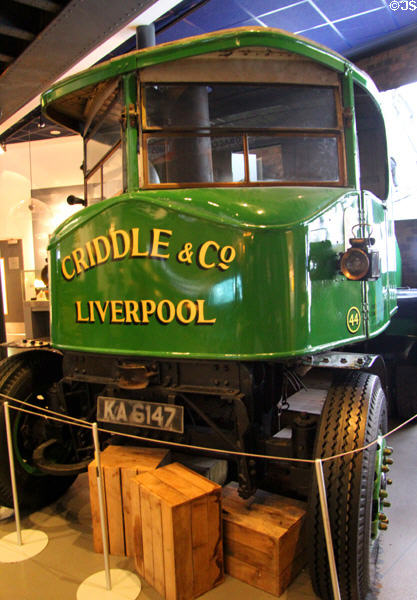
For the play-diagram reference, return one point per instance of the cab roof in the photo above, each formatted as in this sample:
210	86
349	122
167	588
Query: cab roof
67	101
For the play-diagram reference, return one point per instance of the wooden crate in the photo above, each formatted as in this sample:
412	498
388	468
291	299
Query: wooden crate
263	539
119	465
178	531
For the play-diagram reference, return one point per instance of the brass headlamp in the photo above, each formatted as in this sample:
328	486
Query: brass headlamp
359	262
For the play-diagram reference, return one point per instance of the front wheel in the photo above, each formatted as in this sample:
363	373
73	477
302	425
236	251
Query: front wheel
28	376
354	415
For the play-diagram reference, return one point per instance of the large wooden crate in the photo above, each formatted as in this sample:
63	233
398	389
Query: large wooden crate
263	539
119	465
178	531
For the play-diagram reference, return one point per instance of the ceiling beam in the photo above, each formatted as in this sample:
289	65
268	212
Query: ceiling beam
46	5
5	58
79	28
9	29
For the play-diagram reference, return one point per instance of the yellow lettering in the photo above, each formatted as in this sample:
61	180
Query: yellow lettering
100	310
91	311
117	255
201	320
131	310
67	276
191	311
90	254
148	307
79	260
101	258
135	245
160	311
201	256
227	255
78	317
156	242
116	310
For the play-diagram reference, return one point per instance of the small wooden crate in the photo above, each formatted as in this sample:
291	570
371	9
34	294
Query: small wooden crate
263	539
119	465
178	531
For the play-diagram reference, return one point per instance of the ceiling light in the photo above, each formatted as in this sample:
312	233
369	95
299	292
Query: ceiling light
55	132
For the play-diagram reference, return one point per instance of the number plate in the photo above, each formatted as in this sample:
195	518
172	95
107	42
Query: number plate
167	417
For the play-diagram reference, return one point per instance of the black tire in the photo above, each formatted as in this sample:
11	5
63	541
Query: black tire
28	376
354	414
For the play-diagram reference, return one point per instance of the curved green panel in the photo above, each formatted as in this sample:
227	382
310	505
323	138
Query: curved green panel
236	273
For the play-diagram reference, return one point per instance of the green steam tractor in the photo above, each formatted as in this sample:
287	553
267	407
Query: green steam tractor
226	280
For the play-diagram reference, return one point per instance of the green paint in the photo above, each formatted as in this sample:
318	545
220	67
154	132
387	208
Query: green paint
281	296
267	283
131	130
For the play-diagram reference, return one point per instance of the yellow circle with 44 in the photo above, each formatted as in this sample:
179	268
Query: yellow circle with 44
353	319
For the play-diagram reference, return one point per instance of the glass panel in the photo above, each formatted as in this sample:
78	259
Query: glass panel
195	159
105	134
94	187
243	106
293	158
113	175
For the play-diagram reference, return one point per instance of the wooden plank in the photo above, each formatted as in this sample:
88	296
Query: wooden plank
154	484
236	531
246	553
199	536
145	459
95	509
157	545
256	576
197	480
176	476
288	574
136	537
115	523
215	566
127	474
147	539
170	559
184	572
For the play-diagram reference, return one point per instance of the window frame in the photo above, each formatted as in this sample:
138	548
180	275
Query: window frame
98	166
145	132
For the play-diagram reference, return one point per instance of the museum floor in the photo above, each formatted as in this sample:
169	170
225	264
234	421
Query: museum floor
68	559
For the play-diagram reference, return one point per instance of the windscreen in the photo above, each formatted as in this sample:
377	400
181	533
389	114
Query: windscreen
237	133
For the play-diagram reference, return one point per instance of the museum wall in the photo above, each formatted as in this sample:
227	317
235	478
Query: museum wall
47	164
392	68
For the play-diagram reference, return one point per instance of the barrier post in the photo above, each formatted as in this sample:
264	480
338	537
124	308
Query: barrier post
103	520
327	530
12	473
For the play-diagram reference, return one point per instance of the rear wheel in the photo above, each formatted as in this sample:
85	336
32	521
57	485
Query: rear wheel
29	377
354	415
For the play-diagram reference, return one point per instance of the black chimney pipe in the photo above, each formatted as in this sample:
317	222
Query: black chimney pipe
145	36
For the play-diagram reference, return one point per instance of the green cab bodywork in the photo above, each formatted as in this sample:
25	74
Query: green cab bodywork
281	296
278	293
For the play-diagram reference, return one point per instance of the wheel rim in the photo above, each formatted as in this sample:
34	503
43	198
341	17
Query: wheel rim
379	493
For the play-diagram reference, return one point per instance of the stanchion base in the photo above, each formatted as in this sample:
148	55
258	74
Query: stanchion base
124	586
33	542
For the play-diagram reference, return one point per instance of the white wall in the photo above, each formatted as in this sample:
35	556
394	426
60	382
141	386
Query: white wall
54	163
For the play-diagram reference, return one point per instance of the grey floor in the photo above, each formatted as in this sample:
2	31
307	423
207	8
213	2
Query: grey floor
69	559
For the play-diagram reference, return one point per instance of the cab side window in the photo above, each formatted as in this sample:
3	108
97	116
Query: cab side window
372	145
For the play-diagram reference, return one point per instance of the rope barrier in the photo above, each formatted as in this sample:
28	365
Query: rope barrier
68	420
48	414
